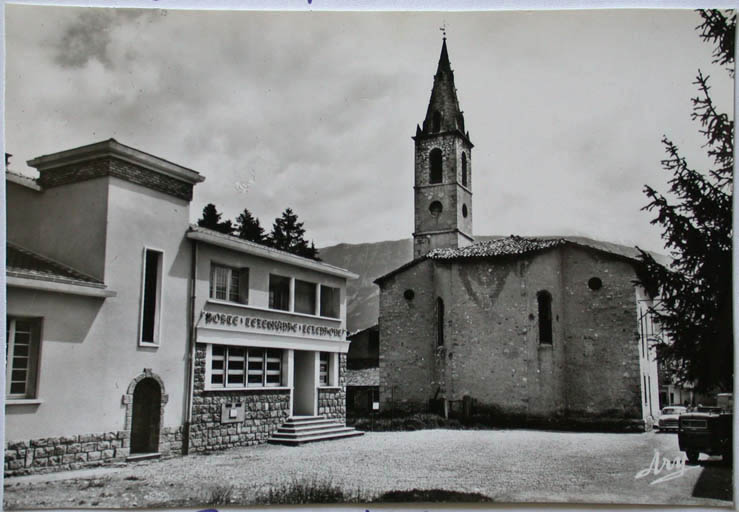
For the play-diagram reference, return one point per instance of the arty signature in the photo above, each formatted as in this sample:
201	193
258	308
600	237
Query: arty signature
673	468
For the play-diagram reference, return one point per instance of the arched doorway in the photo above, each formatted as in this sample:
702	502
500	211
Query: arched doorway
146	416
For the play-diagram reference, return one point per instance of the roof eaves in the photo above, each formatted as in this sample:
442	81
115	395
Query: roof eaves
249	247
401	268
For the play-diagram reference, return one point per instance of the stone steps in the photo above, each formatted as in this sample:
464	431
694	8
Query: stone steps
309	429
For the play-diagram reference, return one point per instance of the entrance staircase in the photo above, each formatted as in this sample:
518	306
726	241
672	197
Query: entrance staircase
298	430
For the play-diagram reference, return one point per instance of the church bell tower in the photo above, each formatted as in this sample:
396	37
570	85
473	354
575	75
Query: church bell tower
443	169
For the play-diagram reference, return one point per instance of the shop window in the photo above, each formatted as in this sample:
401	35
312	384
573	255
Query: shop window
330	301
279	292
464	169
241	367
324	371
435	160
305	297
151	290
544	299
439	322
23	338
229	283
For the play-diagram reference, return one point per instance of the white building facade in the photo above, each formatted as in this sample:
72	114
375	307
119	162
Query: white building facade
123	321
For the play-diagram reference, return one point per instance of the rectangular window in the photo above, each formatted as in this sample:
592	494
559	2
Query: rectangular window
279	292
151	296
23	337
305	297
228	283
323	371
241	367
330	301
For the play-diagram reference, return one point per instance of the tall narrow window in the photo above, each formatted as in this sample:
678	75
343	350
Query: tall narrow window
439	322
228	283
323	372
279	292
544	298
23	338
330	301
152	295
464	169
435	158
436	121
305	297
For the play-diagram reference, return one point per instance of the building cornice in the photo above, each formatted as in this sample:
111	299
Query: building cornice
113	148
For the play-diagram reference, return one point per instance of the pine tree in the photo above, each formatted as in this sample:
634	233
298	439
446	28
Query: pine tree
695	306
288	235
249	228
211	219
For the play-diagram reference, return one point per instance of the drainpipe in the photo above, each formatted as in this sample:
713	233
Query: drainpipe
191	351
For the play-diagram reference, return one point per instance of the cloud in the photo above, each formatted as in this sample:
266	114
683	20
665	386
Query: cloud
89	37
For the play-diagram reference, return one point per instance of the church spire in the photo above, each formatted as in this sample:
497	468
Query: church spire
443	114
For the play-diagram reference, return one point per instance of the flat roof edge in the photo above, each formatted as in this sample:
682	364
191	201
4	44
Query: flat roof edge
247	247
111	147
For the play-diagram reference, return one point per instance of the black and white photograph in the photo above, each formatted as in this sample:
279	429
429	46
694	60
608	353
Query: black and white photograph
315	256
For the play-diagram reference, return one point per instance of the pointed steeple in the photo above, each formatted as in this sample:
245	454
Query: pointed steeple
443	114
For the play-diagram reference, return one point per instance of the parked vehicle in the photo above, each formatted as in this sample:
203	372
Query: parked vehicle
707	430
668	419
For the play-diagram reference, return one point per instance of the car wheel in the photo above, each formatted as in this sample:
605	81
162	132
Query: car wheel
692	456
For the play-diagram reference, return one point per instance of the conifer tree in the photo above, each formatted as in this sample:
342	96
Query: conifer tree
211	219
288	235
249	228
695	306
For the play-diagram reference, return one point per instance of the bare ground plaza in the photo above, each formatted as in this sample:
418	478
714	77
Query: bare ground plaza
502	465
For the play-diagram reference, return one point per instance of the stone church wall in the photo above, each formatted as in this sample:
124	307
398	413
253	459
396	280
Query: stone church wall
602	340
492	352
407	332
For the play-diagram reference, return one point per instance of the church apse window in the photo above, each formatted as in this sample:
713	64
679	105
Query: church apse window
439	322
435	158
544	300
464	169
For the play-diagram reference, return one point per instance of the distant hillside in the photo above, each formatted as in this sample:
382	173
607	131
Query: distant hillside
372	260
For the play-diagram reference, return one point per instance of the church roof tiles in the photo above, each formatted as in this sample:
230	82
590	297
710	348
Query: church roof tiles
512	245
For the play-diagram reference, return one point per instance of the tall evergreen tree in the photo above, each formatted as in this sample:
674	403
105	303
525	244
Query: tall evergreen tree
249	228
288	235
695	306
211	219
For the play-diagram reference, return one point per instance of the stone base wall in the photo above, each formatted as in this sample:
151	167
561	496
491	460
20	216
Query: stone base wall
264	412
332	401
48	454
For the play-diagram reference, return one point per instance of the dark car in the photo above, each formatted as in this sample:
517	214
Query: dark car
708	430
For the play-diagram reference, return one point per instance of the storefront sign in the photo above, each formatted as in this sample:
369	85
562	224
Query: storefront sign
257	324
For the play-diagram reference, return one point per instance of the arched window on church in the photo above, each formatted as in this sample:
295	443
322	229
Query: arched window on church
439	322
544	299
436	121
435	166
464	169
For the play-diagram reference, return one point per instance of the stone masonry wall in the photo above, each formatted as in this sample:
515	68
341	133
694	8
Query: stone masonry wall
332	402
265	411
407	334
50	454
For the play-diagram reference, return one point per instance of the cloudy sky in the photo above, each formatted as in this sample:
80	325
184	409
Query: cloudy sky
316	110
